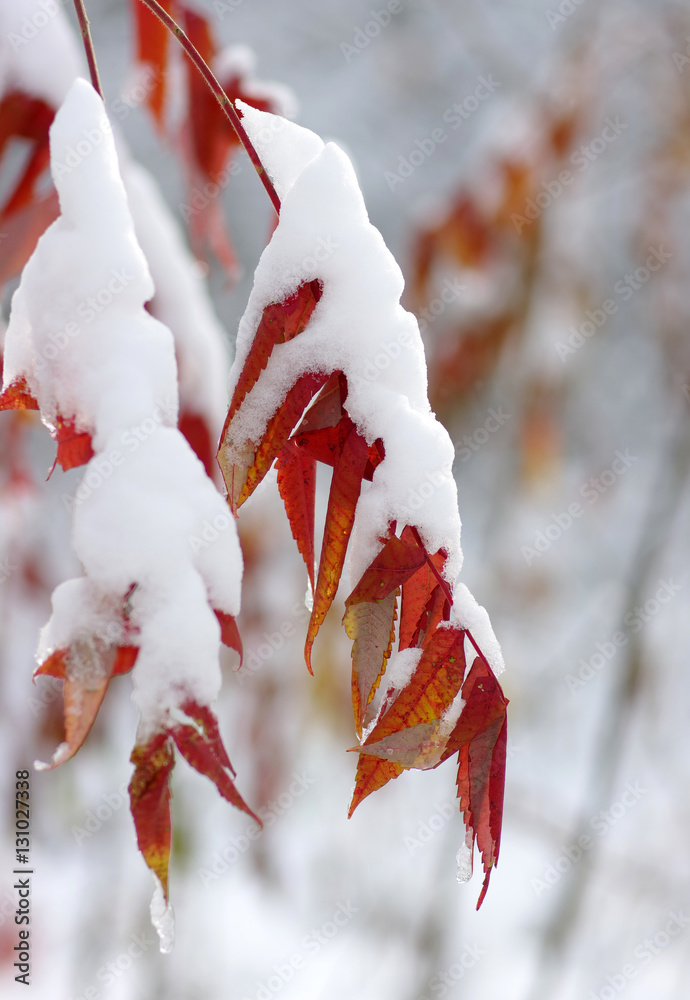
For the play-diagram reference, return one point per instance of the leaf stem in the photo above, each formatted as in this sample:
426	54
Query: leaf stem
218	92
430	562
88	46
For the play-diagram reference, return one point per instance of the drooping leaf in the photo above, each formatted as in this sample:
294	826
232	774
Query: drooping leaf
346	485
408	731
205	752
149	795
480	736
422	600
297	488
152	38
280	322
371	626
18	396
372	774
74	447
229	632
392	567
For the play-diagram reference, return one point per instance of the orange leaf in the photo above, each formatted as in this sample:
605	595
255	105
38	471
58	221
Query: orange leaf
21	231
245	466
340	515
372	774
149	795
371	626
195	430
297	488
393	565
18	397
408	731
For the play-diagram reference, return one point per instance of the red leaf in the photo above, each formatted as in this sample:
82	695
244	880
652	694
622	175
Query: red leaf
280	322
149	795
372	774
74	447
195	430
342	500
422	601
229	632
152	50
480	735
408	731
18	397
244	464
205	752
297	487
396	562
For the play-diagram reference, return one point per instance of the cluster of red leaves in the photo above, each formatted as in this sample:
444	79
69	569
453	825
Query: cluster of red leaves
486	230
207	142
408	730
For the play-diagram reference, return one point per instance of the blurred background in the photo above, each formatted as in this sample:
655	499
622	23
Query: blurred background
528	164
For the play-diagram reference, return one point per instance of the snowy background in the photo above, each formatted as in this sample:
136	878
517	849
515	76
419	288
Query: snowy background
591	609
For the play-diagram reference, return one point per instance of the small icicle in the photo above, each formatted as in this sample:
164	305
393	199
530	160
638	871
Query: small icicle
163	919
464	860
309	598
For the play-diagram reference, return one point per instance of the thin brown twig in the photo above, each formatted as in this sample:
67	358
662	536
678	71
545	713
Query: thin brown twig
226	104
88	46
